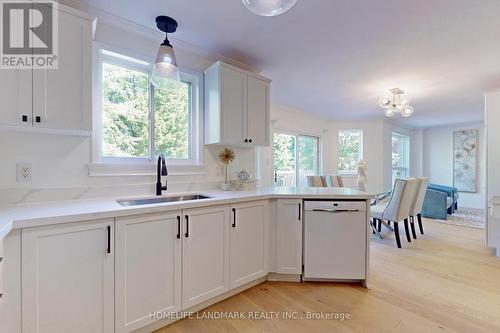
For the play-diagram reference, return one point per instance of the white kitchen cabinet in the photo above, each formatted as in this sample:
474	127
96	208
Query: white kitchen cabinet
15	94
54	99
248	242
62	97
236	106
68	278
205	257
147	267
289	236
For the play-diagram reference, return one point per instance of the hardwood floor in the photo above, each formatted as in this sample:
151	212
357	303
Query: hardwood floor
445	281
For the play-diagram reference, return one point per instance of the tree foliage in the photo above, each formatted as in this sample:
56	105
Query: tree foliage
125	115
349	150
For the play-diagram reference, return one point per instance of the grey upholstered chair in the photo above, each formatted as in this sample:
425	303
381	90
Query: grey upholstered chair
416	209
314	181
332	181
397	208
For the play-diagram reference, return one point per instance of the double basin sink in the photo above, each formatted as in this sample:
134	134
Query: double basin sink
157	200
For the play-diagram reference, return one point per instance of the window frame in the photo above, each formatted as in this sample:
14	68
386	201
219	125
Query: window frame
360	153
406	158
119	57
297	136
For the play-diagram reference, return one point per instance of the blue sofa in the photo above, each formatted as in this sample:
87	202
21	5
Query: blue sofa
440	201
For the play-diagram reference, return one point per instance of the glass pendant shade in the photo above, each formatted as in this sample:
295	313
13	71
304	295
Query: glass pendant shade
165	67
268	7
407	111
384	102
389	112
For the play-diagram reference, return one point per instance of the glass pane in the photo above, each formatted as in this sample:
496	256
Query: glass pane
125	124
349	150
308	158
172	114
284	160
400	156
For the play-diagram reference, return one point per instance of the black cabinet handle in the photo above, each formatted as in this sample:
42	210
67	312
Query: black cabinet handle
300	212
109	239
246	140
38	119
187	227
250	140
178	227
24	118
234	217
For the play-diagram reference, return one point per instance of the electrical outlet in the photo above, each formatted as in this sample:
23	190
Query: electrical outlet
24	172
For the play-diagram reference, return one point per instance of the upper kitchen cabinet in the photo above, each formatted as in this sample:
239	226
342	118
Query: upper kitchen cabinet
59	99
236	106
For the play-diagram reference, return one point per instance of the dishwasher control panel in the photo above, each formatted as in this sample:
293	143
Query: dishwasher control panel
350	206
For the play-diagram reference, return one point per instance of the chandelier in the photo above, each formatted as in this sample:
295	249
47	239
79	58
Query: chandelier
269	7
396	103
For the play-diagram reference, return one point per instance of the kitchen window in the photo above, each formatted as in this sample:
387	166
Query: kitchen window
400	156
136	122
350	150
296	156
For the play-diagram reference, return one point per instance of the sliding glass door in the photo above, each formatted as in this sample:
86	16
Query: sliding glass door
295	157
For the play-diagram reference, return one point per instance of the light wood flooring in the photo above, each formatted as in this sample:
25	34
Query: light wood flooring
445	281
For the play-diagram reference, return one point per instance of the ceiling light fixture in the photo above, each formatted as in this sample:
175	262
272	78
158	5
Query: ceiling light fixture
268	7
395	103
165	67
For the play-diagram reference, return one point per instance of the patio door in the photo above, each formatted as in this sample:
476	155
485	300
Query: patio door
296	156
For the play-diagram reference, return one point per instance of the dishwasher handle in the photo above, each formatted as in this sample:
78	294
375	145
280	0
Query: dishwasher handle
336	210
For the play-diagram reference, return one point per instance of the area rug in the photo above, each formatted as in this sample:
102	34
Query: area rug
467	217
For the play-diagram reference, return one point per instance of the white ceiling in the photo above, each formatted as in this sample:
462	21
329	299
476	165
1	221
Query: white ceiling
337	57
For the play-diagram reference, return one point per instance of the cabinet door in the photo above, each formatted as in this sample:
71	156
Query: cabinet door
248	243
148	268
233	106
68	278
62	97
15	94
258	111
205	254
289	237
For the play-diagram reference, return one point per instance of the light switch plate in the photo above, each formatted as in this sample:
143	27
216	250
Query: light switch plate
24	172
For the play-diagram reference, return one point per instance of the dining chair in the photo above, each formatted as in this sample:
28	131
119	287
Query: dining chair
397	209
416	209
332	181
314	181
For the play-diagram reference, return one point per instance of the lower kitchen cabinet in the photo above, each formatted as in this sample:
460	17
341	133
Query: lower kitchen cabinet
248	242
205	259
289	236
68	278
148	268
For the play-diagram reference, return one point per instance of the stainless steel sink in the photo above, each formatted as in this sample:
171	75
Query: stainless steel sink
150	201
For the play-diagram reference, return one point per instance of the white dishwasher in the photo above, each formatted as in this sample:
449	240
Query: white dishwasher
335	240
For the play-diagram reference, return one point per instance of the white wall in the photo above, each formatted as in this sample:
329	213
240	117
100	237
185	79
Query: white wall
60	163
438	161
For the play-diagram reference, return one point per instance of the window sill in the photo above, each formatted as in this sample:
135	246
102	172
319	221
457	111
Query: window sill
348	174
120	170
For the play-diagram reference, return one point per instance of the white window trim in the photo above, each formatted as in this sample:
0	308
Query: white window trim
133	166
361	150
297	134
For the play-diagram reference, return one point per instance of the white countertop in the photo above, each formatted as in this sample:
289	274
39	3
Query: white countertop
38	214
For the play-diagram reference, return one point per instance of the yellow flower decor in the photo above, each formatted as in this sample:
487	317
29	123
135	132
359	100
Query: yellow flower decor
226	156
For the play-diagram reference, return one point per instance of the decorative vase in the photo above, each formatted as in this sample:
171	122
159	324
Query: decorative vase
225	186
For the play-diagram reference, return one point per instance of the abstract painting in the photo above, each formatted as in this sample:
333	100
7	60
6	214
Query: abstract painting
465	160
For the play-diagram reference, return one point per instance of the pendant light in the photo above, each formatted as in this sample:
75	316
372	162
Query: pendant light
268	7
165	67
